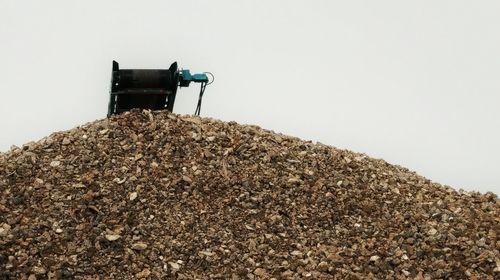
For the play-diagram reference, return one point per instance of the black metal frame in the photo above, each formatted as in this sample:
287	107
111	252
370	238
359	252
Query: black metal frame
153	89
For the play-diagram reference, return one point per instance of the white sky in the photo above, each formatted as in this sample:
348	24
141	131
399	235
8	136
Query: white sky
413	82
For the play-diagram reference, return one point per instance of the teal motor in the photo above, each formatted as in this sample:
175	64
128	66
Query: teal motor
153	89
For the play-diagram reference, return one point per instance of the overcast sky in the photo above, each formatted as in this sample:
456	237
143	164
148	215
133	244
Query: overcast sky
413	82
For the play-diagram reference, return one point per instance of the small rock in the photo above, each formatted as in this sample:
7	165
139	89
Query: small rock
296	253
4	229
14	147
132	196
481	242
55	163
113	237
207	253
260	272
6	226
59	230
66	141
120	181
175	266
187	179
193	120
252	245
139	246
374	258
79	186
432	231
73	259
307	274
322	266
143	274
294	180
38	270
497	268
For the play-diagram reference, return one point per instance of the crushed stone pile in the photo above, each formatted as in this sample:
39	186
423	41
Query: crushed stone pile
155	195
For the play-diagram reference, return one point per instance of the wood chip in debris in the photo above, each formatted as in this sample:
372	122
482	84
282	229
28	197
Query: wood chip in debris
139	246
112	237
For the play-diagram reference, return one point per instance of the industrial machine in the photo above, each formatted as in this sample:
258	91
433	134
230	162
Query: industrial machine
153	89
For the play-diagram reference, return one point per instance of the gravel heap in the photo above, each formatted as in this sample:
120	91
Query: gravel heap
157	195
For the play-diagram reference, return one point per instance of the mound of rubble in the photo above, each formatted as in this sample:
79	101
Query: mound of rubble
156	195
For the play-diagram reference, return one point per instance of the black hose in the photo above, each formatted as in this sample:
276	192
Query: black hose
200	97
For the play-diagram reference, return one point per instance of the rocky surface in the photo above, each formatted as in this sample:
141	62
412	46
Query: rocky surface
154	195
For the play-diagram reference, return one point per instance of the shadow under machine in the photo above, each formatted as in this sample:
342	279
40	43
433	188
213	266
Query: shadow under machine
153	89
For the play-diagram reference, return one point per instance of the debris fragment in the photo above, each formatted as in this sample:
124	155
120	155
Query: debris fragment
174	265
132	196
112	237
139	246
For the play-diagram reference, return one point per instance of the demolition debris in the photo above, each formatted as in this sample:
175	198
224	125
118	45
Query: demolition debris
155	195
